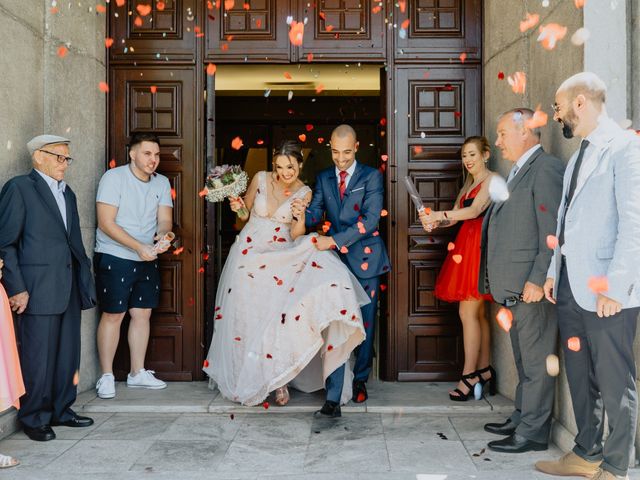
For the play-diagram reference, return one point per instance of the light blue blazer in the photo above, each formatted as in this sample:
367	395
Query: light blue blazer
602	231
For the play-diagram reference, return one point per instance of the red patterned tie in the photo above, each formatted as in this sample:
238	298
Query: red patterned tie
342	187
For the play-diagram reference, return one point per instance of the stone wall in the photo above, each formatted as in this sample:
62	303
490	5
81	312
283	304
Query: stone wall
42	92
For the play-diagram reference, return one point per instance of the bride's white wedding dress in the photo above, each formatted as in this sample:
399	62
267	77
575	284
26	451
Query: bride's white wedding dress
281	306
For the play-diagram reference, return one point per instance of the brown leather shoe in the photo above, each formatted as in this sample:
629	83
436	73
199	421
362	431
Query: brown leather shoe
570	465
606	475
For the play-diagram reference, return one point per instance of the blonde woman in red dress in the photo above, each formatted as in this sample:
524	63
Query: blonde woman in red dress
11	385
458	278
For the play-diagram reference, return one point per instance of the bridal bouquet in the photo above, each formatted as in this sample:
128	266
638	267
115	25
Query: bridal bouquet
226	181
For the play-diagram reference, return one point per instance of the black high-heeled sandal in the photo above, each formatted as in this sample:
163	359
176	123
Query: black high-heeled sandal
461	396
492	380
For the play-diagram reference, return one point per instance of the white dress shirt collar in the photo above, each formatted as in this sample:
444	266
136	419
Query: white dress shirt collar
54	184
527	155
349	171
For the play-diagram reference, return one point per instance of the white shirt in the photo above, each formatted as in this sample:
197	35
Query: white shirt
57	188
522	160
349	171
597	139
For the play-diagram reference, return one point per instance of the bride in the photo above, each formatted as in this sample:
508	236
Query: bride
281	304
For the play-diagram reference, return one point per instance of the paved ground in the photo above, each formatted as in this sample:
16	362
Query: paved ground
149	435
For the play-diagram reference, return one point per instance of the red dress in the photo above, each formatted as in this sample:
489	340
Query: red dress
458	278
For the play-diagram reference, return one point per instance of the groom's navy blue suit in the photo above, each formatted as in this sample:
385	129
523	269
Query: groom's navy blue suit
362	203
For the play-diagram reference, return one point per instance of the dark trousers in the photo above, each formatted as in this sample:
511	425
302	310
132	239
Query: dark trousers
534	336
50	358
601	374
364	351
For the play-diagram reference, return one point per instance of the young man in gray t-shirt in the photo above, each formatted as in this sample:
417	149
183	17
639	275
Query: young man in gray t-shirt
135	211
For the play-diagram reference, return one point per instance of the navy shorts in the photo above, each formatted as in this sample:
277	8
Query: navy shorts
123	284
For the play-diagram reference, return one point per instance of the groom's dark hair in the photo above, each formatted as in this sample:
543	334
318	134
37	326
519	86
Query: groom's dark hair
289	148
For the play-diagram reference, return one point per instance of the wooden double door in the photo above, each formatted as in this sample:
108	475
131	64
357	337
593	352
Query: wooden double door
430	51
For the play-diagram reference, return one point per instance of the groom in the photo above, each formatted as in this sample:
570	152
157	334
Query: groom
351	194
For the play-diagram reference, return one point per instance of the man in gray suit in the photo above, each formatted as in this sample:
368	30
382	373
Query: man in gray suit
513	265
595	277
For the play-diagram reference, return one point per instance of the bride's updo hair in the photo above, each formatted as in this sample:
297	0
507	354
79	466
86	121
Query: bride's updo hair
289	148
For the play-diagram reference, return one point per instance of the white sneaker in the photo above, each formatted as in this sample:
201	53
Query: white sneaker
145	379
106	386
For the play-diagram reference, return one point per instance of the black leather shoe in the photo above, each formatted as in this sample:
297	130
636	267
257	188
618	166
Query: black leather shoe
507	428
359	392
43	433
329	409
76	421
516	444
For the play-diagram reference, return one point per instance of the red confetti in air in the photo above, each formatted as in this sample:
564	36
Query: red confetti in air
361	228
356	207
364	266
178	251
112	163
101	9
154	89
143	9
62	51
297	317
326	226
320	139
361	397
598	284
229	4
205	257
542	208
236	143
308	127
552	241
344	249
260	142
296	33
218	316
237	339
376	233
246	6
383	213
463	57
417	149
54	10
505	318
530	21
451	246
287	75
384	157
573	344
376	9
160	6
211	69
403	5
329	28
315	265
457	258
108	42
314	240
538	120
500	75
205	364
104	87
383	287
518	82
278	281
319	88
343	312
265	405
269	356
302	137
579	3
120	3
457	114
550	34
201	270
203	192
405	24
249	240
245	251
329	348
138	21
309	57
367	250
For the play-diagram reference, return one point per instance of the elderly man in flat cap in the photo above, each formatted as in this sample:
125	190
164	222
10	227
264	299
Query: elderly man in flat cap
47	276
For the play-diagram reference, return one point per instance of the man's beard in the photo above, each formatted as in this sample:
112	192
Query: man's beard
568	125
567	131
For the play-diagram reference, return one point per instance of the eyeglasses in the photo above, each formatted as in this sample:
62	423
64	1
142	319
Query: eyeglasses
555	107
60	158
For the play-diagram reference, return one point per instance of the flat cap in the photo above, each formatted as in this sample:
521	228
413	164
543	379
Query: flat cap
36	143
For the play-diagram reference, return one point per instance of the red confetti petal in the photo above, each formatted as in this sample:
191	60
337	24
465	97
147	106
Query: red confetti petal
62	51
108	42
383	213
287	75
344	249
143	9
178	250
320	139
329	348
245	251
112	163
383	287
237	339
203	192
236	143
248	239
451	246
265	405
314	240
138	21
573	344
269	356
343	312
297	317
201	270
160	6
457	258
211	71
309	127
505	318
302	137
463	57
598	284
500	75
552	241
364	266
367	250
205	363
309	57
104	87
361	397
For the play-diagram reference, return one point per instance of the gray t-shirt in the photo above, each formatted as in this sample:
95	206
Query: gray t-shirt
137	203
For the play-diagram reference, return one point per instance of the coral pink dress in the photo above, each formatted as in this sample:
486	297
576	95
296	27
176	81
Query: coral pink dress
11	384
458	278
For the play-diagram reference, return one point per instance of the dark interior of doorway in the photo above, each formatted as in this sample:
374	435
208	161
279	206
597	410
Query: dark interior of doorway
262	122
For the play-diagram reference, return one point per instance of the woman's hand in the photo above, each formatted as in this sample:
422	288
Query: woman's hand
429	220
236	203
298	207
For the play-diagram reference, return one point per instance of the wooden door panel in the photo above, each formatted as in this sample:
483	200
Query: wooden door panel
171	112
434	115
439	30
166	34
342	30
250	31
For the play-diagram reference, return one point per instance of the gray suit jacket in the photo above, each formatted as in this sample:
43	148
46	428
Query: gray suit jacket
514	232
602	231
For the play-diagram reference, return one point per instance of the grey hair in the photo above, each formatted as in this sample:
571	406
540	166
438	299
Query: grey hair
586	83
520	117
